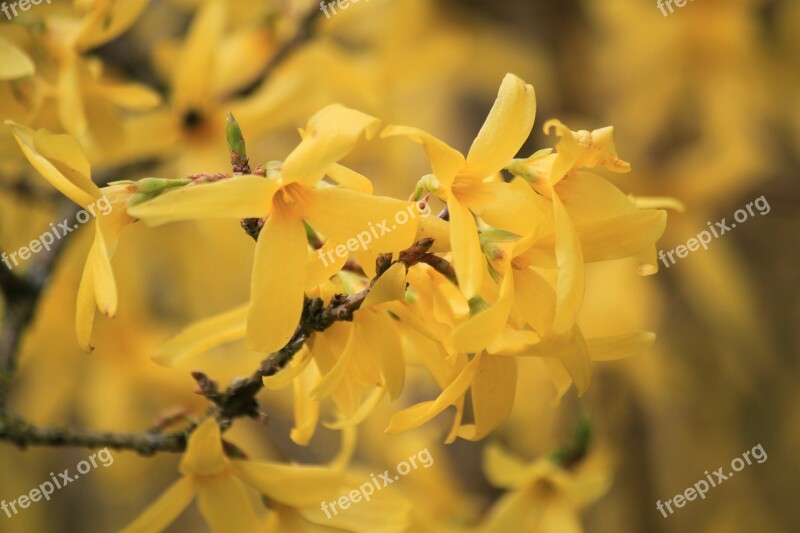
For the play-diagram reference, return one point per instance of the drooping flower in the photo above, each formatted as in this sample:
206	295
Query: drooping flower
61	161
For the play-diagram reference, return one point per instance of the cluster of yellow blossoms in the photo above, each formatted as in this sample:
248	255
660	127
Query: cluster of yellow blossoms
498	275
504	276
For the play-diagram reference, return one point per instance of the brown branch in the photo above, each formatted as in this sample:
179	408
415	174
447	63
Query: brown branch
19	432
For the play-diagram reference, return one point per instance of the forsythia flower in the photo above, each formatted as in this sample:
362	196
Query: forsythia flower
61	161
468	185
543	496
288	198
222	486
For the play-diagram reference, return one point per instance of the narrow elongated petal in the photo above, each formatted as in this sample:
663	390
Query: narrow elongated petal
445	161
306	410
506	128
373	223
363	411
502	468
276	289
535	300
568	150
389	287
225	504
165	510
322	265
381	333
60	160
296	486
468	259
349	179
492	395
331	380
577	361
203	336
192	75
85	308
331	134
105	287
569	261
479	331
237	197
204	455
420	413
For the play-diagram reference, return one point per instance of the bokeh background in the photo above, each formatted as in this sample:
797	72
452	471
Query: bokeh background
706	108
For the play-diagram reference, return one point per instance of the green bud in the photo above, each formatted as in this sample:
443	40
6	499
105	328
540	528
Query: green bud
235	139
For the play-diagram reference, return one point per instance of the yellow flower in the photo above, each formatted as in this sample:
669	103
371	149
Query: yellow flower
591	219
469	185
289	198
220	485
61	161
543	496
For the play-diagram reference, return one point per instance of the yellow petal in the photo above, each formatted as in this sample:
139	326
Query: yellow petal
420	413
16	63
332	379
159	515
389	287
503	469
68	171
237	197
331	134
85	308
363	222
622	236
506	128
322	265
296	486
535	300
276	288
568	150
71	111
468	259
482	329
204	456
132	96
225	504
510	206
192	76
381	334
203	336
492	395
577	361
105	287
512	512
306	410
569	261
361	414
445	161
349	179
